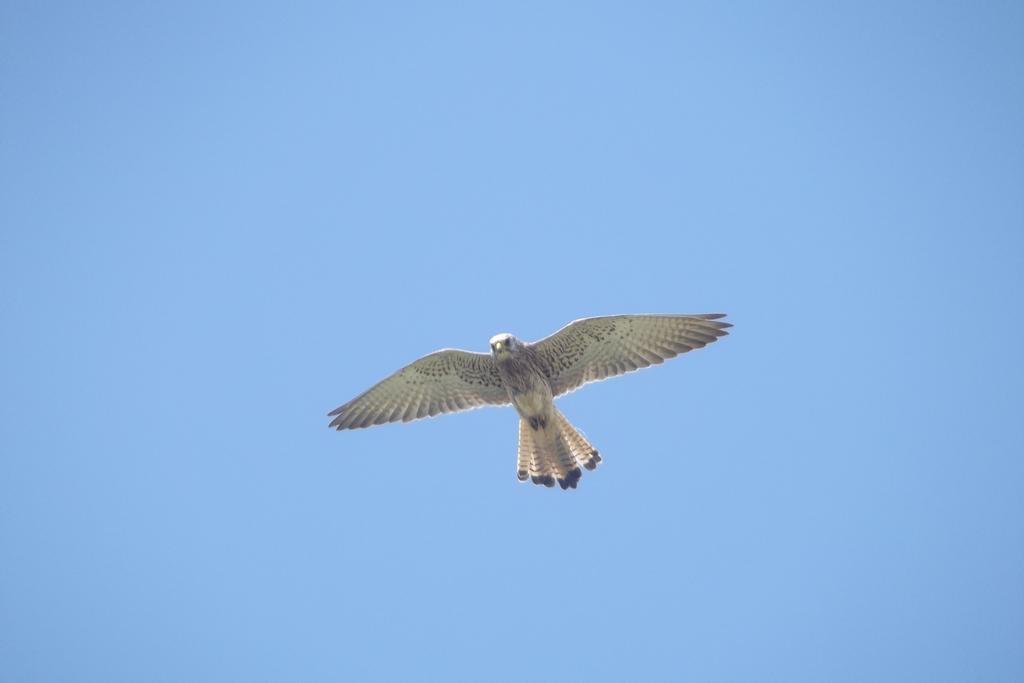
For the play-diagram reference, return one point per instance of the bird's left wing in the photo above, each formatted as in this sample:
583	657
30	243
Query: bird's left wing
593	349
446	381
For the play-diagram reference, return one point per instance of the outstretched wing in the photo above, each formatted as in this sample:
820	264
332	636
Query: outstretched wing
592	349
446	381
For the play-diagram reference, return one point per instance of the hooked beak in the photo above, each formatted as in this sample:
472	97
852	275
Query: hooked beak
497	346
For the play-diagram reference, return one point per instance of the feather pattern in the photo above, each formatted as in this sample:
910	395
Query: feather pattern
445	381
593	349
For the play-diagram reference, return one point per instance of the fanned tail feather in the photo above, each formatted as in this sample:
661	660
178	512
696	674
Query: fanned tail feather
585	454
554	452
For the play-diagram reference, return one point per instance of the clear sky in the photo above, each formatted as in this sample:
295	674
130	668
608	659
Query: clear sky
218	221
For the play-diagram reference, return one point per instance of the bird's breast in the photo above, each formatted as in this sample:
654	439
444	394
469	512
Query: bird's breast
527	386
531	403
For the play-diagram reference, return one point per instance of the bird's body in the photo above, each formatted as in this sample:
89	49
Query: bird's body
546	453
529	377
522	373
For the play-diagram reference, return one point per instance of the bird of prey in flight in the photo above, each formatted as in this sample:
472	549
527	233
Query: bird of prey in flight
529	377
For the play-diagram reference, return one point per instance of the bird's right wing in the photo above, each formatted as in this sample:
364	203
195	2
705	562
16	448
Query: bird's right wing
592	349
446	381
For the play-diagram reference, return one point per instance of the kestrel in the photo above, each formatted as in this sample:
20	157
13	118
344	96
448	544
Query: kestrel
530	377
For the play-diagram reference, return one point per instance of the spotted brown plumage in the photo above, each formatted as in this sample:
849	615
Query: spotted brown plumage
593	349
446	381
529	377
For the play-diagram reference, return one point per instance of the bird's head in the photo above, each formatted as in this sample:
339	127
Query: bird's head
503	343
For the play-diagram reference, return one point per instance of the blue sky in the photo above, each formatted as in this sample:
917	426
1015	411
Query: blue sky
220	221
